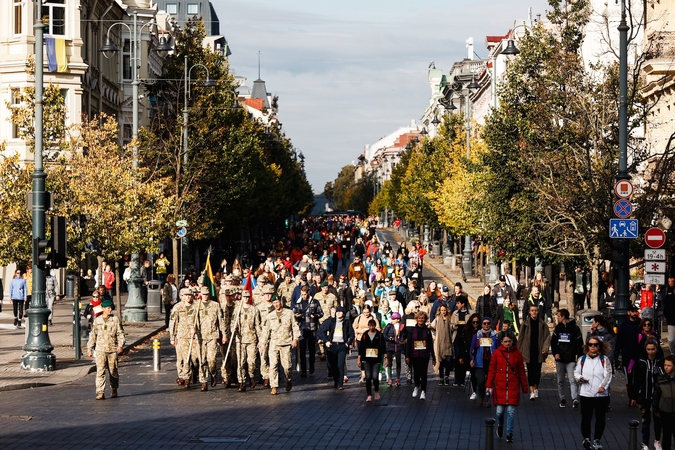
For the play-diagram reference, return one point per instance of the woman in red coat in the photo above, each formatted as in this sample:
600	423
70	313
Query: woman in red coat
506	379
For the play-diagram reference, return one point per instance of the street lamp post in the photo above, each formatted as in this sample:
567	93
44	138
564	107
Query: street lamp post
207	83
467	258
135	308
38	347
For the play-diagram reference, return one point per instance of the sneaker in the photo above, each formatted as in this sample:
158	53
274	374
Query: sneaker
398	383
456	384
487	393
536	393
587	444
575	404
345	378
563	403
390	383
657	445
376	396
369	398
532	397
423	396
597	445
509	438
500	430
415	391
644	447
442	382
447	381
473	396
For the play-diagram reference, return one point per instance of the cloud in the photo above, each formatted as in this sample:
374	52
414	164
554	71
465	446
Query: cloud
350	72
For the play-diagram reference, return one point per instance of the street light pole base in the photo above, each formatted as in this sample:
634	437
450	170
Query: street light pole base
38	362
38	356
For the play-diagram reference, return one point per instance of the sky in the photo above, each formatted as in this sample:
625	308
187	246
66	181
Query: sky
349	72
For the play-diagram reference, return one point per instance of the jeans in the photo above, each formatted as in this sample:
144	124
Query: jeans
372	376
671	339
308	341
396	355
420	368
590	405
560	369
336	355
510	416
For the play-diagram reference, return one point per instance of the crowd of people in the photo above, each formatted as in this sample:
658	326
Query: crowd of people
336	289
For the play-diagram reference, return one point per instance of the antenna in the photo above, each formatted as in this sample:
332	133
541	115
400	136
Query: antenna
258	64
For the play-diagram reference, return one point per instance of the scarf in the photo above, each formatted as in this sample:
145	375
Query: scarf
443	343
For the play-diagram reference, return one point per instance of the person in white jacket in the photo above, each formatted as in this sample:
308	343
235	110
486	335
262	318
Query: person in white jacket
593	372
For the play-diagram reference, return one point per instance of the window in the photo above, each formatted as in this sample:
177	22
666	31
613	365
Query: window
55	10
18	15
126	60
16	102
172	8
192	9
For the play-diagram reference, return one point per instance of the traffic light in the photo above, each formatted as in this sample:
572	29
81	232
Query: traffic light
40	253
59	242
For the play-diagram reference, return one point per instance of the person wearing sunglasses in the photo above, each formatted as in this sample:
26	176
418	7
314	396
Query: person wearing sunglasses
647	332
593	372
506	379
483	345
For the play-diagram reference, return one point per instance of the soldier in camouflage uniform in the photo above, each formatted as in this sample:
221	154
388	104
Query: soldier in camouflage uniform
228	369
211	324
280	334
327	301
246	333
285	290
181	332
264	308
258	291
107	338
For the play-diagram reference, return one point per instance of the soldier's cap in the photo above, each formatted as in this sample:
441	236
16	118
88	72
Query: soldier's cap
228	290
107	303
194	290
288	274
276	297
205	290
262	279
268	289
229	278
237	289
246	294
186	291
324	284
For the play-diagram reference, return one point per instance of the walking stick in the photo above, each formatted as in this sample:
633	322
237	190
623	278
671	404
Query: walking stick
192	338
234	330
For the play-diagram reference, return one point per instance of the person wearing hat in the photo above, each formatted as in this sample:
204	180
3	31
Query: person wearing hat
483	345
286	288
181	332
211	325
228	368
502	290
246	330
327	300
308	312
337	334
280	334
107	339
258	291
264	309
395	338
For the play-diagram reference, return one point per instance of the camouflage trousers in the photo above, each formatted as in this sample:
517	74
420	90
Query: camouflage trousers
228	369
106	361
183	365
279	354
246	359
207	368
264	364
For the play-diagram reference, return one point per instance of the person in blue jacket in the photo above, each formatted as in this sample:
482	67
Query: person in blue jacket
483	345
18	293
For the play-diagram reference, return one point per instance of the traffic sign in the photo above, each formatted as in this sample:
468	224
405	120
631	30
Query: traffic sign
655	237
655	267
181	223
182	232
623	188
623	208
655	278
623	228
655	254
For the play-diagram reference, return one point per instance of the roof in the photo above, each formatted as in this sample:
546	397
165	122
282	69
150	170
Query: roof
256	103
259	91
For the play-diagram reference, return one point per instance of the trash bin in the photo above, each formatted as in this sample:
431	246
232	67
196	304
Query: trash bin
154	297
436	248
585	319
70	286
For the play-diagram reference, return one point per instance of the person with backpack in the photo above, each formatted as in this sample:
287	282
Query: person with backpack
506	379
664	400
593	372
645	372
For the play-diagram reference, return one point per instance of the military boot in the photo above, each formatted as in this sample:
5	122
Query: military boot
100	396
113	394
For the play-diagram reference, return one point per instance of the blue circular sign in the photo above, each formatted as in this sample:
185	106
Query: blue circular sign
182	232
623	209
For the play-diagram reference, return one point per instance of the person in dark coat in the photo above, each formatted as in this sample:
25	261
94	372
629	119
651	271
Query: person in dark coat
337	335
567	344
486	305
419	348
371	352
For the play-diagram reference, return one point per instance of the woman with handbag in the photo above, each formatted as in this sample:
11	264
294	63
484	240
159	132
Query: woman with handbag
506	379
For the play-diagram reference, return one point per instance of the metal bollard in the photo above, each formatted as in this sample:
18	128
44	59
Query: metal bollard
632	435
490	434
156	356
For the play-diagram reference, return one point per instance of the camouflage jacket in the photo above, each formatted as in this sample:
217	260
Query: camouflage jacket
327	302
106	335
281	328
211	320
248	325
182	320
263	310
285	291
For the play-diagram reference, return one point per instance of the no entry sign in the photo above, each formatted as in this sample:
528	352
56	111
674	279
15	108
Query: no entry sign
655	237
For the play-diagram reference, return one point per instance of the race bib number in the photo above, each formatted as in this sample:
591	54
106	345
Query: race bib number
357	269
410	322
486	342
564	337
420	345
371	353
338	333
500	300
462	322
